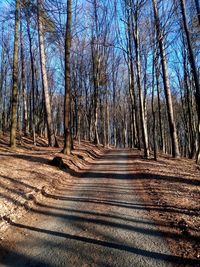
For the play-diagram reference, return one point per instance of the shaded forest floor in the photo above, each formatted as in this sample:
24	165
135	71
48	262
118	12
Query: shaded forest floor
169	188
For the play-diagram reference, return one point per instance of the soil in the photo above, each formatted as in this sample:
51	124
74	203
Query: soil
25	173
166	192
171	193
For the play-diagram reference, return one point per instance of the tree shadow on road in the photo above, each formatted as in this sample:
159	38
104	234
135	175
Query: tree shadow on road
11	258
140	252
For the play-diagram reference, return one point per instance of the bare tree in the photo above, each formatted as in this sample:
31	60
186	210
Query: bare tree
166	82
140	92
15	80
25	111
67	105
51	136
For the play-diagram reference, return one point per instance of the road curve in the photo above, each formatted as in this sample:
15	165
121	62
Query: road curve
99	221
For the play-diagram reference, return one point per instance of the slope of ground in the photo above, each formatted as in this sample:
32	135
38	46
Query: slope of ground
171	191
25	174
169	188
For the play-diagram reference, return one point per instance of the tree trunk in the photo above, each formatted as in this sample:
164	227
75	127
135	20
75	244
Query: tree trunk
15	80
162	143
114	110
141	98
134	109
191	131
25	111
96	93
67	106
32	79
172	125
51	137
2	81
154	113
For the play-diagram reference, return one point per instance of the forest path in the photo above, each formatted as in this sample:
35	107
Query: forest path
98	221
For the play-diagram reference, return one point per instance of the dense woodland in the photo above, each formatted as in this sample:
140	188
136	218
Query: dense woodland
123	73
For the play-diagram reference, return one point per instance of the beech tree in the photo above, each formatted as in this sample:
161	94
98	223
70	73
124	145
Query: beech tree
51	136
67	104
15	79
138	78
166	82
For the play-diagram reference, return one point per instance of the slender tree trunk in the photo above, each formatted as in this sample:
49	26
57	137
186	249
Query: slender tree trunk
191	134
25	111
96	93
134	141
15	80
172	125
141	98
134	109
108	125
107	121
194	72
32	79
154	114
114	99
2	81
67	104
114	109
96	69
19	112
51	137
162	143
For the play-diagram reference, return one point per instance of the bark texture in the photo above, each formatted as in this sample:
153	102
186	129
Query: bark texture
15	80
67	109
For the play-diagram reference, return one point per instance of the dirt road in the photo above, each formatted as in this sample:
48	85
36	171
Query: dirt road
97	221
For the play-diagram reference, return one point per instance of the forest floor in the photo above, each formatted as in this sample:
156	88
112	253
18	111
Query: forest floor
123	198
